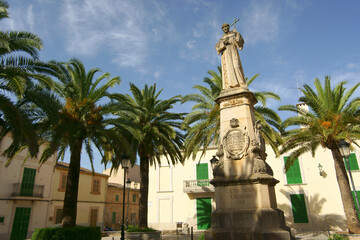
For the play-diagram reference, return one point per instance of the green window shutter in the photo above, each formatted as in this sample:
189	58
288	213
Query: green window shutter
202	173
113	217
352	162
203	211
134	197
299	208
20	224
28	180
2	219
293	174
117	198
358	195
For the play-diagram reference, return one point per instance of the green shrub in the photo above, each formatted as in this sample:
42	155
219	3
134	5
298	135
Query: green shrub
337	237
137	229
78	233
202	236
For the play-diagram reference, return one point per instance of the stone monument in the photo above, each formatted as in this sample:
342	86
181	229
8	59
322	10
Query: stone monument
246	205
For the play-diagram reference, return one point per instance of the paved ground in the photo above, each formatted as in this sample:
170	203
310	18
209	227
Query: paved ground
302	236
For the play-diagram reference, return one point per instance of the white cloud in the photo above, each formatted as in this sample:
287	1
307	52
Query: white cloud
190	44
351	66
260	21
121	26
20	19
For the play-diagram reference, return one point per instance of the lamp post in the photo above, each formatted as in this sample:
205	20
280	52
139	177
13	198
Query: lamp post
128	185
125	162
213	162
344	148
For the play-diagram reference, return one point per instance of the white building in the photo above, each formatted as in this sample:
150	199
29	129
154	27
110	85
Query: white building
24	194
310	201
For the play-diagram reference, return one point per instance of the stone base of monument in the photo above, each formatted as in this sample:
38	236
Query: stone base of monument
246	209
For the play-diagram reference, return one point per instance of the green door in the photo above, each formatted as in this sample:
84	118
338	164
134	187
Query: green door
202	173
299	208
28	180
203	210
20	224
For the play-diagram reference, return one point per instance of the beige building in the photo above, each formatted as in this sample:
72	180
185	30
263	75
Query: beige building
114	198
91	196
25	194
114	205
308	193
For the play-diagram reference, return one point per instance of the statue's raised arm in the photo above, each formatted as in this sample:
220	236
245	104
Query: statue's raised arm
228	45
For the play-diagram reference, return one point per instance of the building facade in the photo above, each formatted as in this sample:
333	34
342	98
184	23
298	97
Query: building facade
25	194
91	196
308	192
114	205
114	198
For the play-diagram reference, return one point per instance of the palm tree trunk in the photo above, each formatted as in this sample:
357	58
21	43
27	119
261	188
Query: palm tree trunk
144	188
346	196
72	186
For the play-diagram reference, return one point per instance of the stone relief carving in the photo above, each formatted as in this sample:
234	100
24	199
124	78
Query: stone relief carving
219	167
236	143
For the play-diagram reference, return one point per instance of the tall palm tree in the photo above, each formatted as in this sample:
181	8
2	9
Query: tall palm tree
333	116
203	123
74	116
16	70
158	134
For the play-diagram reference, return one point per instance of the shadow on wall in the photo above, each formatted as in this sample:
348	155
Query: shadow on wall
317	222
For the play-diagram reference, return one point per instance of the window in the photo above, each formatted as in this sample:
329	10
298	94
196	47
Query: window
58	215
116	197
63	181
93	217
96	186
28	180
299	208
134	197
133	218
113	217
352	162
293	174
202	174
2	220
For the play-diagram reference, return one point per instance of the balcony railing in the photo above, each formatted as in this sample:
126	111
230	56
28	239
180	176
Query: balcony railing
198	186
27	190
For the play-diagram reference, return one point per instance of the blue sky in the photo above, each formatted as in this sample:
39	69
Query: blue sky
172	43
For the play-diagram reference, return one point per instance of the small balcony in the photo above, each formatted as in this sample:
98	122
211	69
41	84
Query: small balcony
27	190
198	186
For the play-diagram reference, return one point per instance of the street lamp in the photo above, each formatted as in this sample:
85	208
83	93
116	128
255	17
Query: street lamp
344	148
125	163
128	185
213	162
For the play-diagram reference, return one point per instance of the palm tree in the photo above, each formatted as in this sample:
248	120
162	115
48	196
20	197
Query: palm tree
158	134
16	71
75	115
203	123
333	116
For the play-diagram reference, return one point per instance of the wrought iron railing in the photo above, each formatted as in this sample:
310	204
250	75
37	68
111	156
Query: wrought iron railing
27	190
196	183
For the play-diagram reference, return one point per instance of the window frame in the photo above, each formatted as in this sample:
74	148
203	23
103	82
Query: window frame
92	185
63	175
97	215
300	169
55	214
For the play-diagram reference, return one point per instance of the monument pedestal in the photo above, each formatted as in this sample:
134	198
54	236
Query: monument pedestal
246	206
246	210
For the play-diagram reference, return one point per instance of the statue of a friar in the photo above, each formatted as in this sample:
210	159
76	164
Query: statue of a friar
228	45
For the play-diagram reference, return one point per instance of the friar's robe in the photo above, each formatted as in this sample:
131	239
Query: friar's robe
232	71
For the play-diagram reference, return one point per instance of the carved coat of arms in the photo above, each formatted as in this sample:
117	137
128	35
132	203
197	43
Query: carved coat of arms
236	143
